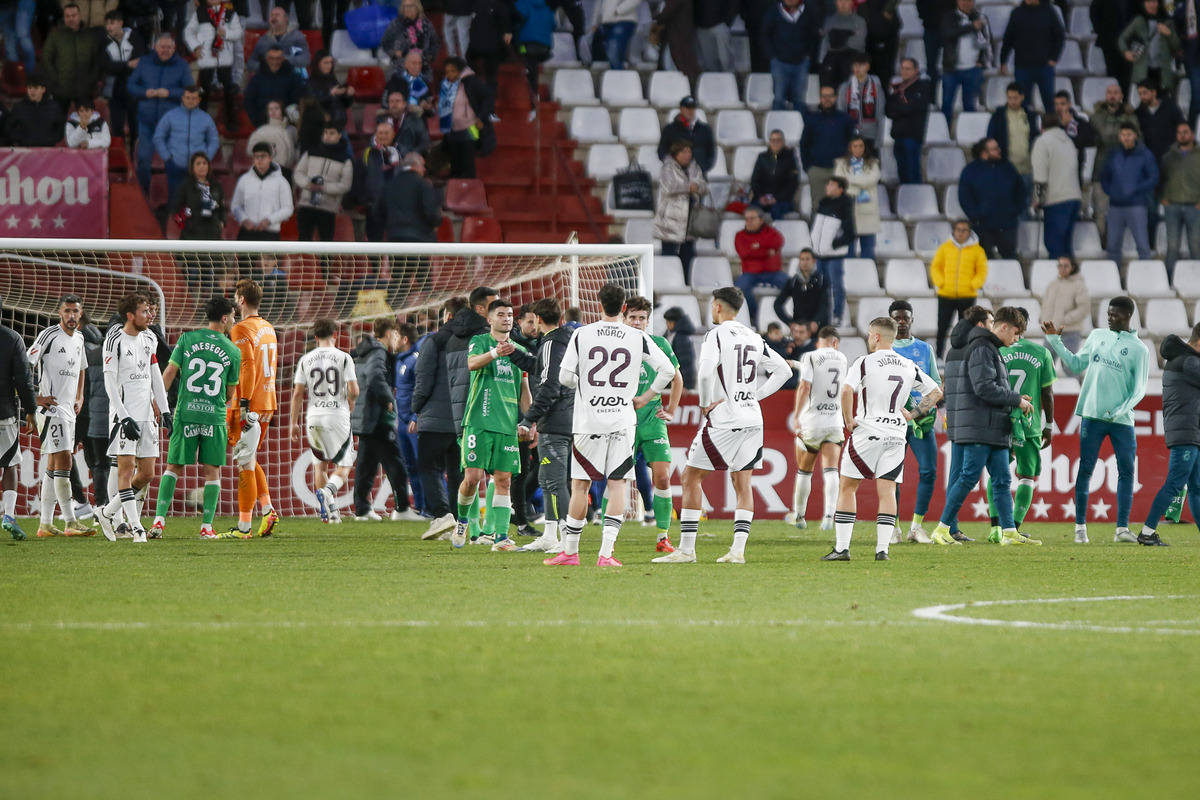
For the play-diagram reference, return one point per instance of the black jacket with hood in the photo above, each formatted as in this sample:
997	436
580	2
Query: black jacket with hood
553	404
1181	393
371	367
985	398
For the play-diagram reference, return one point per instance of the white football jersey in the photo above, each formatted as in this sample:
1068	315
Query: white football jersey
731	360
326	371
604	361
58	360
883	381
825	371
131	358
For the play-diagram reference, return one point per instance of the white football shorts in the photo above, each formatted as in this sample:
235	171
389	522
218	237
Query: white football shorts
597	456
56	429
731	449
813	439
871	454
330	439
10	442
145	447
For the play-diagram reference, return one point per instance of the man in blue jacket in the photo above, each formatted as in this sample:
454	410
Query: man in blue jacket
1129	179
184	130
993	196
826	137
406	381
791	38
157	83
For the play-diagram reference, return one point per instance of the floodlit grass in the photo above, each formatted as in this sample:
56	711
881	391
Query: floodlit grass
358	661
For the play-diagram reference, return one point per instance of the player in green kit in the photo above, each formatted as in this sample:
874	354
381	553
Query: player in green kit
651	434
1030	366
207	364
499	393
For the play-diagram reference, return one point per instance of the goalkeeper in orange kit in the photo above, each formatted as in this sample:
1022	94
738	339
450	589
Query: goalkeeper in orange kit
256	404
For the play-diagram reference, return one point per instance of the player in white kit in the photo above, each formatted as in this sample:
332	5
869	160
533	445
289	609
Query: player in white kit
603	363
57	358
881	382
731	437
328	375
132	380
817	420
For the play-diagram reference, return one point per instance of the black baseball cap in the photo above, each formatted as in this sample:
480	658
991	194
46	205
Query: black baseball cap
688	102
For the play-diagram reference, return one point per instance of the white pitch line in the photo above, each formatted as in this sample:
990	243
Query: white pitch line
942	613
430	623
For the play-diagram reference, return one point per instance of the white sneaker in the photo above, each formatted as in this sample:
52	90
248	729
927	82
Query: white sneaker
335	517
107	525
729	558
795	520
407	515
827	524
1125	535
505	545
139	535
439	525
485	539
370	516
678	557
542	544
897	537
1081	534
459	537
85	511
558	548
917	534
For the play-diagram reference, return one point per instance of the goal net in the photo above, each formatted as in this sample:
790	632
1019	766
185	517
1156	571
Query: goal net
353	283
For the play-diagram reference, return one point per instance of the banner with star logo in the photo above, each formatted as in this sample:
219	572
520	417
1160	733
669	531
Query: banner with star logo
50	192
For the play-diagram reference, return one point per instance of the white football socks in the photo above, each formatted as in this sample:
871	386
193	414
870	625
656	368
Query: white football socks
801	492
741	531
843	527
884	525
612	529
48	499
10	502
829	480
689	526
335	483
572	530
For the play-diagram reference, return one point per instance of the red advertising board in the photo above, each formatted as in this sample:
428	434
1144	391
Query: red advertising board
1054	497
50	192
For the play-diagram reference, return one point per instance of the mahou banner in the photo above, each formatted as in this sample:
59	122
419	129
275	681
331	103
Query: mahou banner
49	192
1054	497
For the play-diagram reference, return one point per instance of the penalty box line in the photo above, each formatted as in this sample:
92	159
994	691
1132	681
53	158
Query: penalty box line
219	625
944	613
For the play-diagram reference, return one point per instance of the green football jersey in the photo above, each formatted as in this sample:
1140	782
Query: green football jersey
494	400
208	364
649	411
1030	369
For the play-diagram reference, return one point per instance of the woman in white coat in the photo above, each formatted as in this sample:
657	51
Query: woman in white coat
861	170
213	34
681	182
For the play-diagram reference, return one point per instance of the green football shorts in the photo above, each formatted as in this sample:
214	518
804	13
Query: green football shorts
1029	457
193	443
490	451
651	438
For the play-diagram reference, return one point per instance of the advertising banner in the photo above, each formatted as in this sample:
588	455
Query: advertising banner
50	192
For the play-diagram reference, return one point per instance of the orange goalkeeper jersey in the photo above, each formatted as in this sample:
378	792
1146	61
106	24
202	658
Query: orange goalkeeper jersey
260	349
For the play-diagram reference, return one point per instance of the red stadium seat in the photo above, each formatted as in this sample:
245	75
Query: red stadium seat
481	230
242	160
467	197
369	112
368	83
343	228
159	192
249	40
315	42
445	232
12	78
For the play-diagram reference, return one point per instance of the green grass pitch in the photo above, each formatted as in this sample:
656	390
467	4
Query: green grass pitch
357	661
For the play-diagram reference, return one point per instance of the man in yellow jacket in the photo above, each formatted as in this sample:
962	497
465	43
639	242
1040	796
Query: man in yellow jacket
958	271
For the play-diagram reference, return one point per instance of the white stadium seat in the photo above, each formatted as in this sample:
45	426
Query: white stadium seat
591	124
668	88
760	91
906	277
910	20
647	157
687	302
868	309
743	161
562	55
710	272
610	208
885	203
1086	241
970	127
944	164
791	123
892	240
998	20
637	126
796	236
668	273
917	201
729	229
1165	316
937	130
1029	240
717	90
1044	271
853	347
1005	279
925	311
1071	60
1030	304
1187	279
573	87
954	209
929	236
621	87
1102	278
767	315
1080	26
346	53
736	127
1146	279
862	278
720	169
1093	92
641	231
606	160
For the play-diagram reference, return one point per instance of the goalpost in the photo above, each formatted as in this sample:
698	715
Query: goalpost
353	283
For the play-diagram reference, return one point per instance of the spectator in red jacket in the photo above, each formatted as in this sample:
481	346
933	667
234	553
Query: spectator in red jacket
758	245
